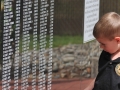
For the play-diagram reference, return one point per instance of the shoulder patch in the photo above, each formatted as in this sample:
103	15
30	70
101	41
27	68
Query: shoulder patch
117	69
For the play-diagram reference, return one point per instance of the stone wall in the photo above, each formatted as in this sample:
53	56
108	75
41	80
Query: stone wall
69	61
76	60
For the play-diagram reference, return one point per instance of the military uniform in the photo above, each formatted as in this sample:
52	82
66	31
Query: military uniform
108	77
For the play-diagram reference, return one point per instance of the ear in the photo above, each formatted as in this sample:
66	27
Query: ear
117	39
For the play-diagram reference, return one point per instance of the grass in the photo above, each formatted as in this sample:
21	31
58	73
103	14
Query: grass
64	40
57	41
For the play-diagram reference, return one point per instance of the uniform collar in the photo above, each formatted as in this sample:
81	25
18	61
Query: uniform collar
108	58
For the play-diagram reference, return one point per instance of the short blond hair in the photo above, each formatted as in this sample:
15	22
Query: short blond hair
108	26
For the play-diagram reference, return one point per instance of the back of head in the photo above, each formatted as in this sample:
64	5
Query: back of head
108	26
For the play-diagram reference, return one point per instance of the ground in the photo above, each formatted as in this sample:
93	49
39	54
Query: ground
61	84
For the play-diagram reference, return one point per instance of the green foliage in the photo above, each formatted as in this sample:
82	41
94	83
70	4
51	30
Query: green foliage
57	41
64	40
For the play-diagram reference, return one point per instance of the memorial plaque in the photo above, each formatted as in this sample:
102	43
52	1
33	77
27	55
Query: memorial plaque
50	46
17	51
7	51
26	22
91	16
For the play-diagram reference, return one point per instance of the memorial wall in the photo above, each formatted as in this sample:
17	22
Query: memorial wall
21	19
29	56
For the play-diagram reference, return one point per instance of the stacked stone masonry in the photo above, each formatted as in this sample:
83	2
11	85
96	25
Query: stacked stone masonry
69	61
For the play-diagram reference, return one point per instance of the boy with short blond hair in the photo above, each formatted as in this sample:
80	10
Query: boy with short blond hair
107	33
108	26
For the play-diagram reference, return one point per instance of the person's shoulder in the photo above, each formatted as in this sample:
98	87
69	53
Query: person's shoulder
104	53
103	59
104	56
